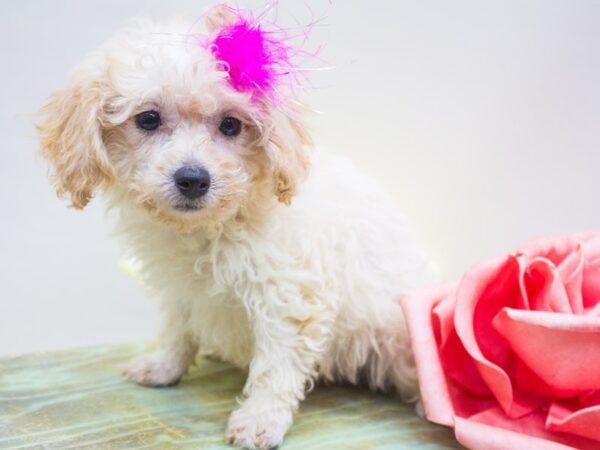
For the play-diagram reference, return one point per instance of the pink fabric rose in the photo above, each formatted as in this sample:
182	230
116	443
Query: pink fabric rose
510	355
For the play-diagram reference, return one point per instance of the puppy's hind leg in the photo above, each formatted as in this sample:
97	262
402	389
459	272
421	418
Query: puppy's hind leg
177	350
390	365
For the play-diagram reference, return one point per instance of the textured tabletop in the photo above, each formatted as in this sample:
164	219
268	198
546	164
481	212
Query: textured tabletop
77	399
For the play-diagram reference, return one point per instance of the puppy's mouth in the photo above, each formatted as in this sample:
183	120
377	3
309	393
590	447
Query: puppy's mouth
187	207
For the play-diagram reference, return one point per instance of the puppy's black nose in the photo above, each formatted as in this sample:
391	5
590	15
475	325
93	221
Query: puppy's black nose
193	182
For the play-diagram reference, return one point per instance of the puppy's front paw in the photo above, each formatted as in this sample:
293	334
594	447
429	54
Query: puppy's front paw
154	369
262	428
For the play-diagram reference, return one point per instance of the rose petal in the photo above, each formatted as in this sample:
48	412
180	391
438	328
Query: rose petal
553	248
460	367
417	309
484	291
466	404
593	311
543	288
590	289
571	273
529	432
582	422
557	248
527	381
588	236
457	363
492	334
443	313
559	348
479	436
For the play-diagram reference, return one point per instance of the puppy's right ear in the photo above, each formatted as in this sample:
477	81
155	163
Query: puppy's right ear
71	140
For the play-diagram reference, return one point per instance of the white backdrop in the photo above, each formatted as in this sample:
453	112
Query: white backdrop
482	118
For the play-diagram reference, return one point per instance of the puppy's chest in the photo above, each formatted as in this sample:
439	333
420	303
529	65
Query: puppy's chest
212	292
221	326
234	268
204	274
190	270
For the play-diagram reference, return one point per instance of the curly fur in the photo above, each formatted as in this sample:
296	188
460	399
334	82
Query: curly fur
293	263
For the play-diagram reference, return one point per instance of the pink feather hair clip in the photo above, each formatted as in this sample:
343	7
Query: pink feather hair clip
258	55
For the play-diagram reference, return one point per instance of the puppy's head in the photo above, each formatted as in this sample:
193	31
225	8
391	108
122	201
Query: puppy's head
151	117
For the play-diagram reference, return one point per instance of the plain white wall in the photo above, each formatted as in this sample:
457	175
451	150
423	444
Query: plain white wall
481	117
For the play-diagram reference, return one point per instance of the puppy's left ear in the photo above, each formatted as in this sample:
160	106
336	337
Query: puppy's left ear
289	145
71	140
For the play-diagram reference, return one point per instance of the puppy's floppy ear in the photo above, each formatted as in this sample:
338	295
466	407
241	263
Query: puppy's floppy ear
71	140
288	148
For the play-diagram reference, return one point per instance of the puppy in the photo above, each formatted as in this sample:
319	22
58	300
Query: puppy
265	253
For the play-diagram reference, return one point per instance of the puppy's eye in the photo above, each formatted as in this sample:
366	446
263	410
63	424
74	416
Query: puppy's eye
148	120
230	126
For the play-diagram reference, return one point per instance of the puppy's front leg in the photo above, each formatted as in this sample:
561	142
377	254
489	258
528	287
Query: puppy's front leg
285	357
177	349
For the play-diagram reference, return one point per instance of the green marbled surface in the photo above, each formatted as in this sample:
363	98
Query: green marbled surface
77	399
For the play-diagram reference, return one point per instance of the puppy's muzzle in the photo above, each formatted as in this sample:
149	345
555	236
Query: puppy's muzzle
192	182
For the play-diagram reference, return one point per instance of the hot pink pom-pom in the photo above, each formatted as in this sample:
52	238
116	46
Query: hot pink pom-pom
259	55
253	58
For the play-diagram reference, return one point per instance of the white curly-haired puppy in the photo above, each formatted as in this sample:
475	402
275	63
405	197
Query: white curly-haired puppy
280	260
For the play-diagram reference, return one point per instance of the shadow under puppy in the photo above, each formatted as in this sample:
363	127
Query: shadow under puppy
263	252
